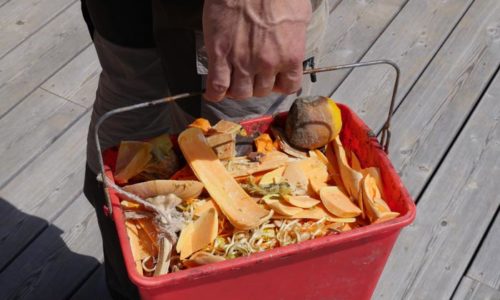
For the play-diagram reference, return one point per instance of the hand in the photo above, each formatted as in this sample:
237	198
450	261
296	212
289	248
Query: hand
254	46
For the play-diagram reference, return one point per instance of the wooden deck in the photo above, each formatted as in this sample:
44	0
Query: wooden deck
445	145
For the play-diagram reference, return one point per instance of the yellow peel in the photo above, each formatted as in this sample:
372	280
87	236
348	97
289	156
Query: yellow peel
233	201
302	201
198	234
281	208
350	177
271	177
338	203
184	189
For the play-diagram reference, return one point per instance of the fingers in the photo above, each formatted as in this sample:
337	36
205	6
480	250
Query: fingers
288	82
263	84
241	85
218	80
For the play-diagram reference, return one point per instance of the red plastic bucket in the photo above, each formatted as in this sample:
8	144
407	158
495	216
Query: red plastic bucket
343	266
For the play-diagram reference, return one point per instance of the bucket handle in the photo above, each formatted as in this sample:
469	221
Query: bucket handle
384	139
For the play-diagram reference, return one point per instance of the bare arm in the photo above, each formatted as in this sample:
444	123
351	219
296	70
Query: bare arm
254	46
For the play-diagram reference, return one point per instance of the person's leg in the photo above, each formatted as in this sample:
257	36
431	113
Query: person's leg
120	286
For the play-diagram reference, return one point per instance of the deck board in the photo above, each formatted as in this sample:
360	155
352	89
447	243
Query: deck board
471	289
432	254
353	27
32	126
40	56
449	52
83	74
43	189
59	260
21	18
411	40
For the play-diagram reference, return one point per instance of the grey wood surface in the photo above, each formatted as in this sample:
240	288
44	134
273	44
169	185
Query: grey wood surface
448	51
411	40
84	72
486	264
353	27
31	127
434	110
59	260
21	18
43	189
471	289
455	210
41	55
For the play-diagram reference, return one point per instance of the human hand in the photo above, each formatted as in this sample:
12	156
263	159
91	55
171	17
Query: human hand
254	47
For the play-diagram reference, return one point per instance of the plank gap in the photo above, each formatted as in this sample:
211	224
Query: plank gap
360	59
45	80
38	233
455	137
403	98
62	97
43	149
478	248
36	30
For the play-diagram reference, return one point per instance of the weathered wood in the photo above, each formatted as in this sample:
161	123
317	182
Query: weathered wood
471	289
42	189
352	28
411	40
436	107
432	254
486	264
77	81
59	259
21	18
39	56
30	127
94	288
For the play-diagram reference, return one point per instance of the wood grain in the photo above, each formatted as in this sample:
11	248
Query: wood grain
439	103
59	259
43	189
411	40
21	18
353	27
486	265
32	126
471	289
77	81
432	254
39	56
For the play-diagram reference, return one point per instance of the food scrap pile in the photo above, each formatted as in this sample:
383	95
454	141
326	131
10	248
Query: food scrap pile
239	194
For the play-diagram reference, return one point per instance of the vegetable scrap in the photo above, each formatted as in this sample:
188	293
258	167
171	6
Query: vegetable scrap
223	205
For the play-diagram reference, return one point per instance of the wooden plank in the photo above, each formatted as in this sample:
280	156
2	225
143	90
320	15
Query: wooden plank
486	264
353	27
432	254
59	259
39	56
471	289
30	127
436	107
43	189
94	288
21	18
411	40
77	81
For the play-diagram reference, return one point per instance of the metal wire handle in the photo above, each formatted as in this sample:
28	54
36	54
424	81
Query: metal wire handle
384	140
